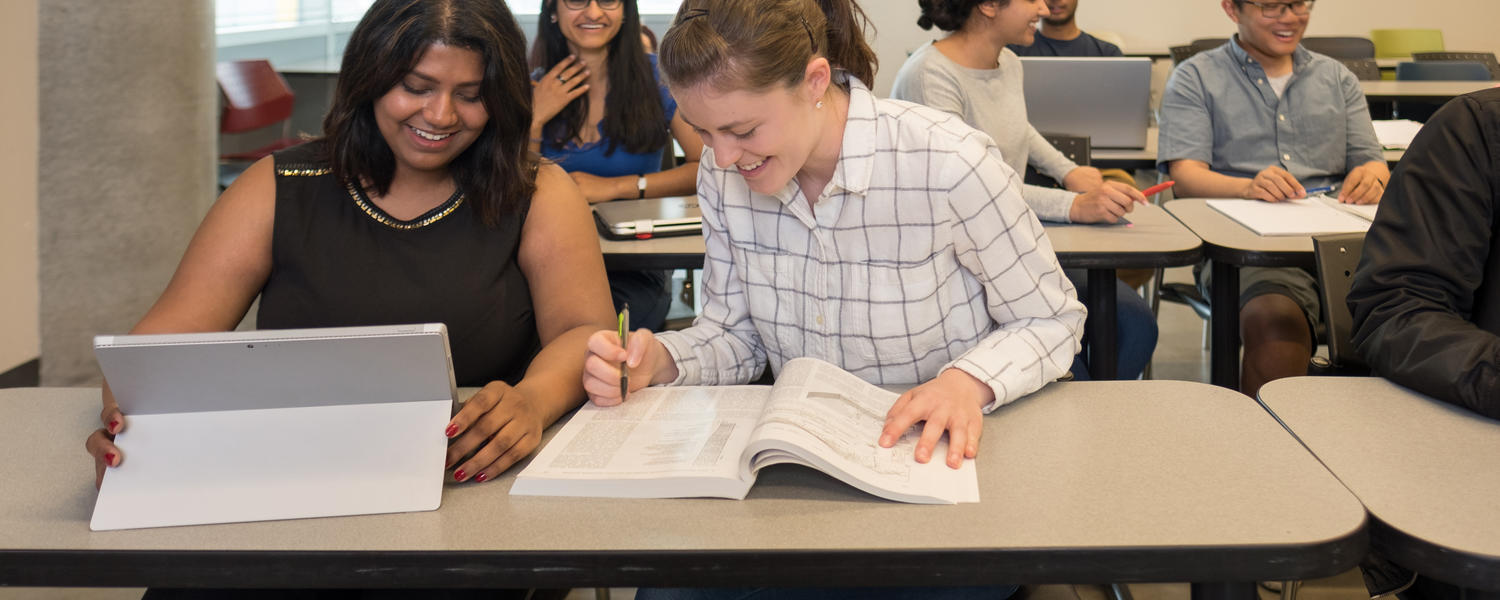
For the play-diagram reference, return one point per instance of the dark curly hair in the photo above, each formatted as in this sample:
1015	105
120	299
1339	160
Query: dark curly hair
949	15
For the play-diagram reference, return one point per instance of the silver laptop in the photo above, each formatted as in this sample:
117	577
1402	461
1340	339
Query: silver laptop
648	218
1106	99
276	424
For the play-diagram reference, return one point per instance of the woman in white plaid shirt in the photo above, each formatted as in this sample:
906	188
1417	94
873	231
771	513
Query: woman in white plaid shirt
884	237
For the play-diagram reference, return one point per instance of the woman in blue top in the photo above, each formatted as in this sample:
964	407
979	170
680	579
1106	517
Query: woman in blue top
602	114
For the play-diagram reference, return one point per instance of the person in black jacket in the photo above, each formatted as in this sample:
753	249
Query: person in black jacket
1426	296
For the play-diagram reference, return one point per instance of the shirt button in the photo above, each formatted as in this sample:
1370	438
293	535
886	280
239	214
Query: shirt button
820	319
1260	81
1286	157
1283	117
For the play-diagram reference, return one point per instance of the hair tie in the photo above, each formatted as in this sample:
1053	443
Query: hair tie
691	14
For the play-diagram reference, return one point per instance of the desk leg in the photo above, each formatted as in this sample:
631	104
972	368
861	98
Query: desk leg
1225	591
1224	354
1101	327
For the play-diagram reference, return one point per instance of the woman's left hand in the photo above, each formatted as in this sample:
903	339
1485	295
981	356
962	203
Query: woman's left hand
951	403
598	189
498	426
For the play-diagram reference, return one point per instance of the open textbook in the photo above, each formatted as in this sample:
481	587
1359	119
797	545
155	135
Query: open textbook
1315	215
682	442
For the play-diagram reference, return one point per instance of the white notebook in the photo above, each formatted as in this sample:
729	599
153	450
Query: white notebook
1308	216
276	424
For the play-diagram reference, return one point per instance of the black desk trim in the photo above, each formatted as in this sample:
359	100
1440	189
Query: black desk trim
1463	569
681	568
652	262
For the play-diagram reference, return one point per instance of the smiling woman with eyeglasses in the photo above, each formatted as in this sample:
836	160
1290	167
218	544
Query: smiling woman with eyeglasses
601	112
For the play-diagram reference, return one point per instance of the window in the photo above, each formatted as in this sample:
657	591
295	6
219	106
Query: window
309	35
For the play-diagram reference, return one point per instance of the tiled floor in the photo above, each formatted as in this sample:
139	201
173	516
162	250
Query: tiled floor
1179	355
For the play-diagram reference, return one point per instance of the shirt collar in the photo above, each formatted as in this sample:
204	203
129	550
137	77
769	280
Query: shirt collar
857	152
1300	56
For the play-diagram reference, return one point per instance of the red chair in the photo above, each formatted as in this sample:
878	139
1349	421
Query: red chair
255	97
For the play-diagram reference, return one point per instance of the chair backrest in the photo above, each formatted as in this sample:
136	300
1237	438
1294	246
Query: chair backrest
1075	147
1401	43
1442	71
1337	256
1182	53
1485	58
1366	69
1341	47
255	96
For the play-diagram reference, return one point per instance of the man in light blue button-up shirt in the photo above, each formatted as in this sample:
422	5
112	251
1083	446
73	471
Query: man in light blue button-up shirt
1261	117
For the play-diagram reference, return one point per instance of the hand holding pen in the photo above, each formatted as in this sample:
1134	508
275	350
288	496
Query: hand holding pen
620	361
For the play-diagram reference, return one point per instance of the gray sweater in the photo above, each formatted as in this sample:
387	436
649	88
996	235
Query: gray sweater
990	100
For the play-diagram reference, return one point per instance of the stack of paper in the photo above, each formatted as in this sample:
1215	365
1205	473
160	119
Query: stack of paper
1309	216
1396	135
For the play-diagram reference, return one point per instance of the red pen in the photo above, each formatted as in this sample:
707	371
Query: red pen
1158	188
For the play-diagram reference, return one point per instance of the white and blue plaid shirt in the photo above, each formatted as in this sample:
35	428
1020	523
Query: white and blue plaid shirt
921	256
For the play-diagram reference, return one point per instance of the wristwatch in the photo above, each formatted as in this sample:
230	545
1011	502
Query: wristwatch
640	186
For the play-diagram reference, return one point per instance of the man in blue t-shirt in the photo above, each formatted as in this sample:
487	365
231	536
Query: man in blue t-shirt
1060	36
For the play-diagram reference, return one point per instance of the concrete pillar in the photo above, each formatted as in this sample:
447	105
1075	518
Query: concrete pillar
126	165
19	328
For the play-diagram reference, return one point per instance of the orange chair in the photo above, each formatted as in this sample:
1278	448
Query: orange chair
255	97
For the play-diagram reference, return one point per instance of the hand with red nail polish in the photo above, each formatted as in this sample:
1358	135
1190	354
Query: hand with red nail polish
496	427
101	443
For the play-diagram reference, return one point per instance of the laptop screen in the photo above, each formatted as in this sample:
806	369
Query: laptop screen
1106	99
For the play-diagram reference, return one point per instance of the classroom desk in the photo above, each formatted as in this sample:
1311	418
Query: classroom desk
1424	469
1085	482
1145	158
1424	91
1231	246
1154	240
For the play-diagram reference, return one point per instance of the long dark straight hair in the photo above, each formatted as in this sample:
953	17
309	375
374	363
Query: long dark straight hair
633	115
497	172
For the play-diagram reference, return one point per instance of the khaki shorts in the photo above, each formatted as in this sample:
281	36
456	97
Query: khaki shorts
1296	283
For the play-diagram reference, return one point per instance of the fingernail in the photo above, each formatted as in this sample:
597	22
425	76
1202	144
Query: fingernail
113	424
109	458
458	475
451	430
481	477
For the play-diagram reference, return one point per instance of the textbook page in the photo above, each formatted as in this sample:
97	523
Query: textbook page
662	442
1307	216
825	417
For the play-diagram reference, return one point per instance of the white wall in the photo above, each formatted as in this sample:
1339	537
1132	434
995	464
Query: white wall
19	329
1155	25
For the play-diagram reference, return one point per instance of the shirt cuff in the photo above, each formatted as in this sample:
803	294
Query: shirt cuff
678	347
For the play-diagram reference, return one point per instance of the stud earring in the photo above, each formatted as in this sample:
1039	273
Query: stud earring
554	18
819	104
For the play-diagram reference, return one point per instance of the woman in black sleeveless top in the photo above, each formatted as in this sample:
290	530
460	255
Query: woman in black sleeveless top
421	203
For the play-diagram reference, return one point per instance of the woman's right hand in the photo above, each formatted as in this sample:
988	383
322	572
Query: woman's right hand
646	358
101	443
567	80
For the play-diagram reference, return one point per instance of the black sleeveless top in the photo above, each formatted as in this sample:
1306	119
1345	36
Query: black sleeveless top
338	260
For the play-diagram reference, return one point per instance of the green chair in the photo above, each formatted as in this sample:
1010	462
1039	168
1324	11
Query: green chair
1401	43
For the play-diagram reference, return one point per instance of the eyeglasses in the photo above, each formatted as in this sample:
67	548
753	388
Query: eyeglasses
1274	10
582	4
